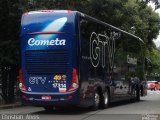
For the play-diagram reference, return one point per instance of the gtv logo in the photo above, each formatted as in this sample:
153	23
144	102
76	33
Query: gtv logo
99	45
37	80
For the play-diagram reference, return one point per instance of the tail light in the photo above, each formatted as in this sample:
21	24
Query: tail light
21	82
74	82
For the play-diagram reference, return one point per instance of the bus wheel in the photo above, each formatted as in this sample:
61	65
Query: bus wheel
104	101
137	94
96	101
142	93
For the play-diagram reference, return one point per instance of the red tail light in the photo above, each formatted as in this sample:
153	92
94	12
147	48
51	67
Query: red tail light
21	83
74	75
74	82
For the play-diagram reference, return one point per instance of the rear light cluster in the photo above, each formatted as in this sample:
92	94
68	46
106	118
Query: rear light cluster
21	82
73	86
74	82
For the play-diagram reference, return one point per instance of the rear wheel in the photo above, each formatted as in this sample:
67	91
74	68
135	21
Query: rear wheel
96	103
104	101
137	94
142	92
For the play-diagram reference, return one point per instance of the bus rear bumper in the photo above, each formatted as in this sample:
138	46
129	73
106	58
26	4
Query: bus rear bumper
65	99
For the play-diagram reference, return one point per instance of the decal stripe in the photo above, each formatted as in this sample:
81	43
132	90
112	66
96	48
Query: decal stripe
33	33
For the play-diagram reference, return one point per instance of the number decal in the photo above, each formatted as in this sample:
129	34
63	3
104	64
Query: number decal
59	85
59	77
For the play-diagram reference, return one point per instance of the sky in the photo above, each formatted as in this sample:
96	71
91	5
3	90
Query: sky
156	41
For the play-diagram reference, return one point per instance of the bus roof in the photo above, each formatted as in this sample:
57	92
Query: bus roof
111	26
48	11
87	16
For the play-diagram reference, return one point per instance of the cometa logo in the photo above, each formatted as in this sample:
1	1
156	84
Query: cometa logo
33	42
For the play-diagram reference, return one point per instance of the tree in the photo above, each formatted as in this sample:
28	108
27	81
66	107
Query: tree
9	53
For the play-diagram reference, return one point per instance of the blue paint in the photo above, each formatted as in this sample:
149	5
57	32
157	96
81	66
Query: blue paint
37	60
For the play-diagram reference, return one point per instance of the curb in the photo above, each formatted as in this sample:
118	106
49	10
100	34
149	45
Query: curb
8	106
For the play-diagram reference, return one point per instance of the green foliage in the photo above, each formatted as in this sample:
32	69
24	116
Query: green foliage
154	56
129	15
10	24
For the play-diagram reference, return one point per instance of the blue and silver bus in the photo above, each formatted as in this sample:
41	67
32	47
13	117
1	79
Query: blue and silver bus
70	58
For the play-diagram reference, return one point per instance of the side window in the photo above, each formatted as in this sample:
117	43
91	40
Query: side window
86	29
133	49
120	67
128	58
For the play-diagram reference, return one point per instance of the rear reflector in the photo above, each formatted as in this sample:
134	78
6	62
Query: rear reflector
21	82
69	97
74	83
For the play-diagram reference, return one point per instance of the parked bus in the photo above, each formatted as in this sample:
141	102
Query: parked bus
70	58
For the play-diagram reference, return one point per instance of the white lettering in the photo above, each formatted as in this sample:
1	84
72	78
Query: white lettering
11	117
33	42
99	45
37	80
32	117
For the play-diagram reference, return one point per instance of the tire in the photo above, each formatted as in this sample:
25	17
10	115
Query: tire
142	92
96	103
137	94
104	100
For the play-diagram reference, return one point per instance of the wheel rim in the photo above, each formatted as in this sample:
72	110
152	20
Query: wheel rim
97	99
105	98
135	93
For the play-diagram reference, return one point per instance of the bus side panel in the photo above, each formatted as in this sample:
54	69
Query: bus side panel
91	76
104	55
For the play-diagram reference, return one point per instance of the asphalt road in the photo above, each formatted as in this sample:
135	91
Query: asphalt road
147	109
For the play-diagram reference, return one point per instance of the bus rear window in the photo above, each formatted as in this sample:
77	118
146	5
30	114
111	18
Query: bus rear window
45	23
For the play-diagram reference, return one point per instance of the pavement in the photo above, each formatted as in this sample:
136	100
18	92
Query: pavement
156	92
12	105
146	109
8	106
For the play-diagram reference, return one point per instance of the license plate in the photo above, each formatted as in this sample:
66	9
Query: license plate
46	97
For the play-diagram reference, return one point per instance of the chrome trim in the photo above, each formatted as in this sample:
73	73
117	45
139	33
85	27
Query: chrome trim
58	93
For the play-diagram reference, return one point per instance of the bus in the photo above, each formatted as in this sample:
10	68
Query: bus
71	59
